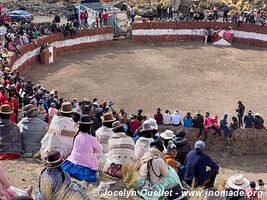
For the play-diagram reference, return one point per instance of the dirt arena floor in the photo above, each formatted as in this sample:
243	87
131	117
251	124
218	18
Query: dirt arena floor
188	77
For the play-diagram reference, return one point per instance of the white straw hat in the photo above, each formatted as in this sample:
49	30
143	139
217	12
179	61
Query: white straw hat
238	182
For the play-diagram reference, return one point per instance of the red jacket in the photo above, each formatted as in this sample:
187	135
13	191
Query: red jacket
82	16
134	124
5	19
15	103
158	117
3	99
105	15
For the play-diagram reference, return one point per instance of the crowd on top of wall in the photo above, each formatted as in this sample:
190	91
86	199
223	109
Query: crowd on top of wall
16	34
194	14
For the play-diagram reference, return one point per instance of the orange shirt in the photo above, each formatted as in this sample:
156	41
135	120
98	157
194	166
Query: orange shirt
170	160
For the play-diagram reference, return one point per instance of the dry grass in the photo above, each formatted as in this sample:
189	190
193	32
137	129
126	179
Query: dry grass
64	192
129	175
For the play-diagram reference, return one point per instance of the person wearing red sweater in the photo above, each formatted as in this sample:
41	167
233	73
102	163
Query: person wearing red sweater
134	124
5	19
15	105
3	97
82	17
105	17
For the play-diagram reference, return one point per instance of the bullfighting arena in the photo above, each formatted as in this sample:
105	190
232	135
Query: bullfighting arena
187	77
184	77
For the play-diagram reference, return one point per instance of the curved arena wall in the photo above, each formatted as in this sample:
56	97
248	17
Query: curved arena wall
194	31
86	38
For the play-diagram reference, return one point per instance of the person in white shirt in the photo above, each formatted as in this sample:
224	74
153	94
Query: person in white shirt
176	118
167	118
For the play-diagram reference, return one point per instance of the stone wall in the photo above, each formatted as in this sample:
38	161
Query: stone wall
194	31
87	38
244	142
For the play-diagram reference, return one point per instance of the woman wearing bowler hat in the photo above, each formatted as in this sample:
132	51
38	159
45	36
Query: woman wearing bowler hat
82	162
56	183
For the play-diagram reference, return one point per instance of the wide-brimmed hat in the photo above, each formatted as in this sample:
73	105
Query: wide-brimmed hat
108	117
66	107
29	108
116	125
238	182
146	126
6	109
167	134
153	123
249	112
176	191
85	119
257	114
53	159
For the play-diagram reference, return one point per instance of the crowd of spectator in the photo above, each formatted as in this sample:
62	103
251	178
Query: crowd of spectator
247	16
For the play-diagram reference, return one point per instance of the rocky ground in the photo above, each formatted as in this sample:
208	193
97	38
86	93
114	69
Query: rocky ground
37	7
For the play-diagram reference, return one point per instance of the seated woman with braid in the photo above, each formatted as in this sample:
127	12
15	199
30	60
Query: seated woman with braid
154	173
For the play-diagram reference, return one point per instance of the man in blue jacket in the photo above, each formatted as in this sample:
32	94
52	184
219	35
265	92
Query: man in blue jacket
196	167
249	120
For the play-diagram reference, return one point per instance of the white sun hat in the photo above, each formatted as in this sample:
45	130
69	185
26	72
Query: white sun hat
238	182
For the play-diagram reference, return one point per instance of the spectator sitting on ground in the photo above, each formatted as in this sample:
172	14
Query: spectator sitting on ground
237	184
153	168
176	118
146	137
188	120
56	183
258	122
32	130
105	131
182	145
10	137
166	136
121	151
196	167
198	122
167	118
83	163
233	126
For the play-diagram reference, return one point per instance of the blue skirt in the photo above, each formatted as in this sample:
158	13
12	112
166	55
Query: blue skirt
79	172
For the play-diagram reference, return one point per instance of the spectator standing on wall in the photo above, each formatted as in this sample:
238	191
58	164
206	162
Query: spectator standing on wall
82	18
240	113
159	12
105	16
86	18
165	12
225	13
132	13
100	16
170	12
215	13
191	12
